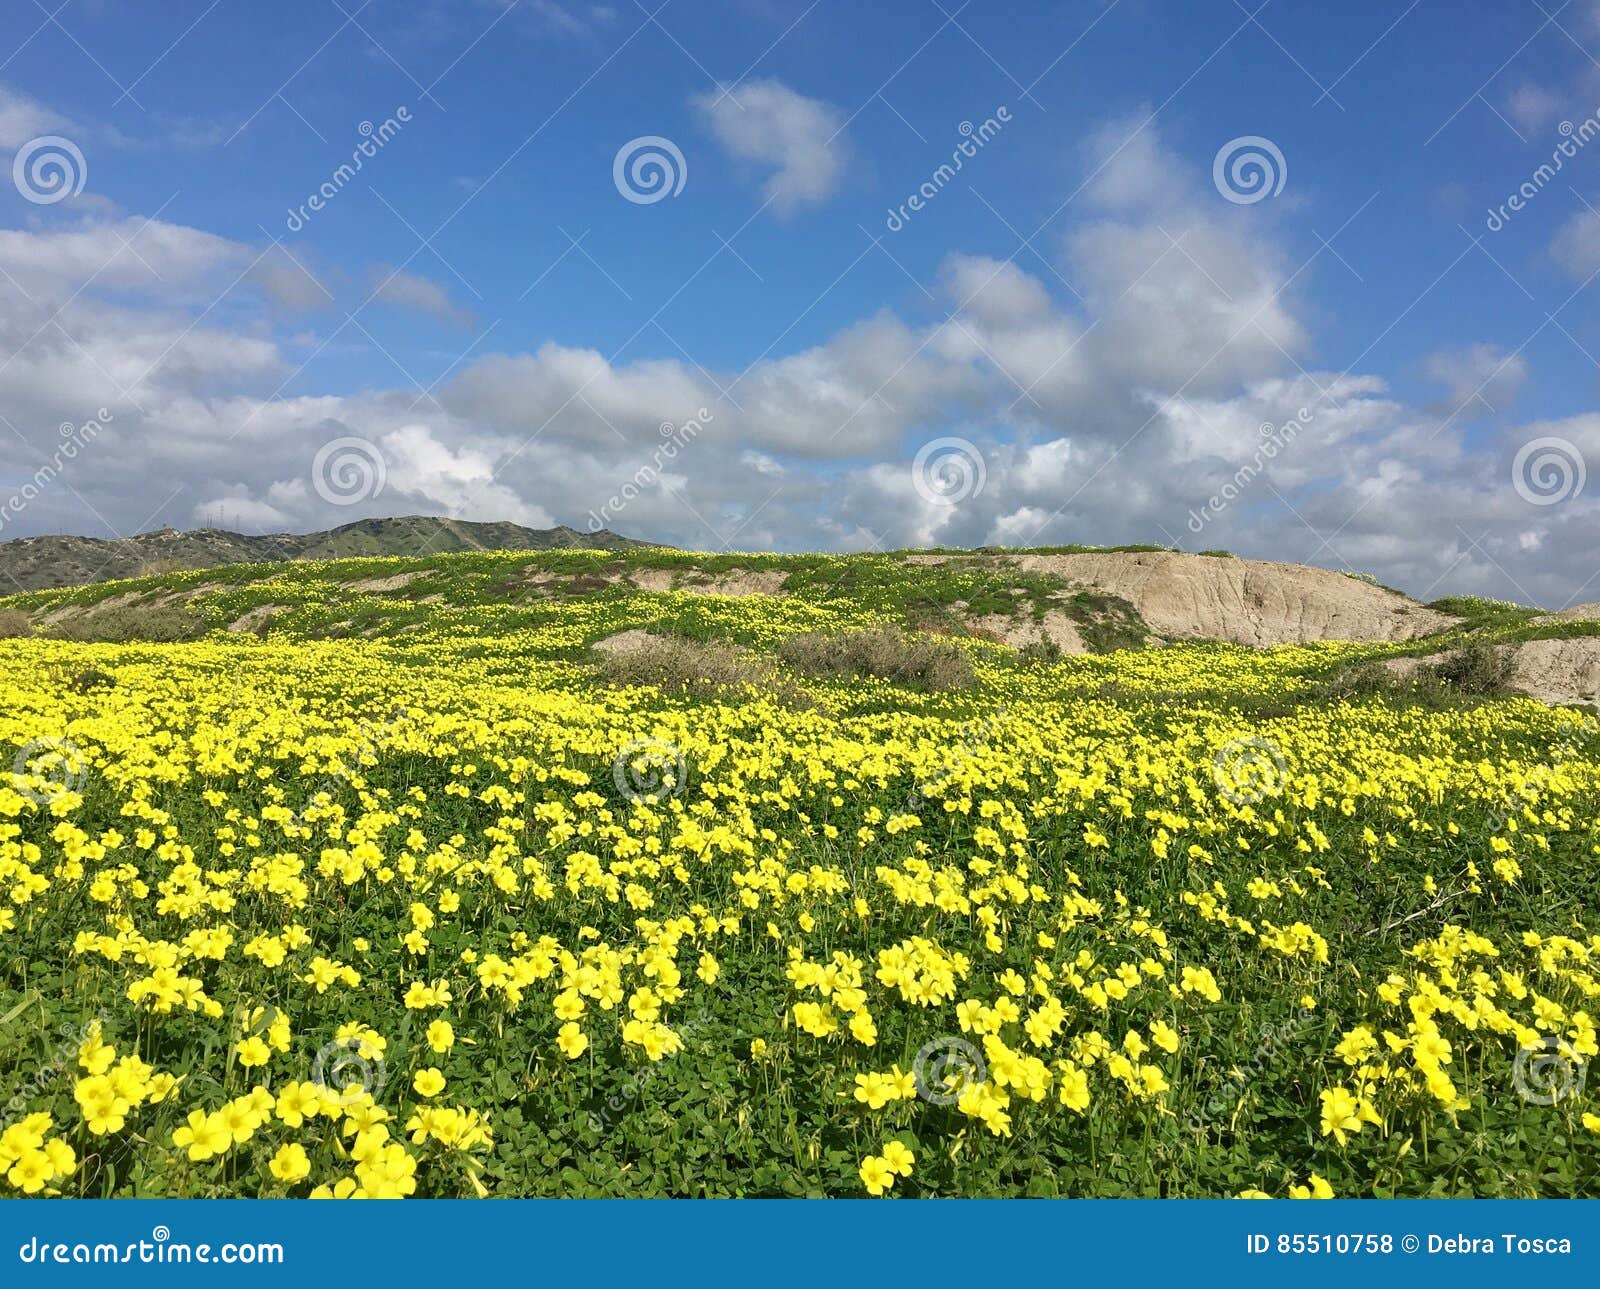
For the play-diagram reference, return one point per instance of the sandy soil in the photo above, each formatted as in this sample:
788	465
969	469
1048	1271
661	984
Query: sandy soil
377	585
1577	613
1187	597
739	582
1560	671
1018	632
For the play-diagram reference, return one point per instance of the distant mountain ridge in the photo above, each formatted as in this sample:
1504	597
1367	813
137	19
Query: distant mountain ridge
44	563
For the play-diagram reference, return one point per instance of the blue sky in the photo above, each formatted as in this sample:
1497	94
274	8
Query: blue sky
1088	326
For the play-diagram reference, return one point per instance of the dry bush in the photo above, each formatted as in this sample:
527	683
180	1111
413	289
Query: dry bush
132	623
703	668
1040	653
14	624
887	653
1478	668
1361	680
678	665
160	566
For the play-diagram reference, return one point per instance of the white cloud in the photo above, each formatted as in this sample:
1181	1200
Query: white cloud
761	463
23	118
1576	245
766	122
1480	378
290	280
422	467
413	291
558	17
1107	419
127	254
1129	170
996	293
235	510
1535	107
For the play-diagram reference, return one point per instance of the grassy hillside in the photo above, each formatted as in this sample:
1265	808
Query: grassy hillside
401	886
493	593
980	596
34	563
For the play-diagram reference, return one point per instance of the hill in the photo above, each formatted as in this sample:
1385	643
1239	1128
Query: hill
1038	605
822	831
40	563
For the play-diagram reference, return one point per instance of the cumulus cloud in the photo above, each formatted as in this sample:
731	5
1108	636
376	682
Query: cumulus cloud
1155	372
290	281
23	118
767	123
1576	245
1480	378
1535	107
121	254
413	291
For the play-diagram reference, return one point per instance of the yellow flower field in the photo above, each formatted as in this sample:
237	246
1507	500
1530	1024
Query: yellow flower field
446	914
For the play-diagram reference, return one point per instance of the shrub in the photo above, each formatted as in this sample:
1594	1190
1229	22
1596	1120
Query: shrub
585	584
1039	653
132	623
91	679
1482	613
14	623
886	653
1477	668
678	665
1370	679
1106	622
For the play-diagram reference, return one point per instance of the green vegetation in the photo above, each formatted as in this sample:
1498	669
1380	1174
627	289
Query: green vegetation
676	665
698	917
42	562
1478	613
917	662
982	601
126	623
